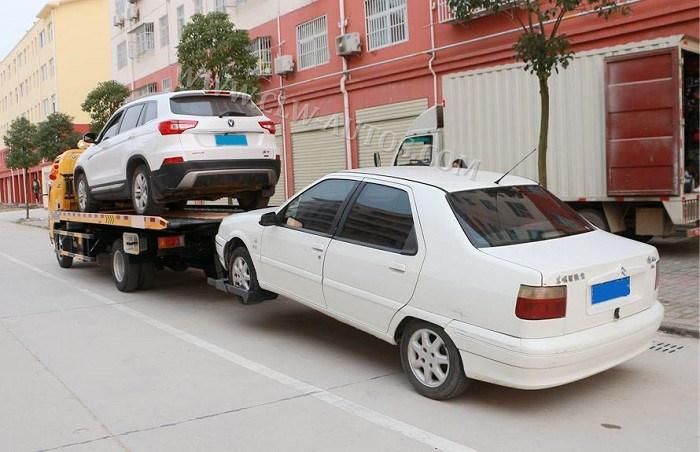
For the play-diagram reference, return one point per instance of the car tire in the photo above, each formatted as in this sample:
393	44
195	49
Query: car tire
252	200
424	344
127	275
147	276
241	272
64	261
86	203
142	192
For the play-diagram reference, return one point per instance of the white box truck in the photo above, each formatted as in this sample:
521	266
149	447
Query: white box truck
623	140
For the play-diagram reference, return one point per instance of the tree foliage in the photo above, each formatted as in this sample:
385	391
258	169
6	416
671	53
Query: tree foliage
103	101
541	46
55	135
213	54
21	150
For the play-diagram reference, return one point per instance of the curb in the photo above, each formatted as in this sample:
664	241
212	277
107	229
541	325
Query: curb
679	330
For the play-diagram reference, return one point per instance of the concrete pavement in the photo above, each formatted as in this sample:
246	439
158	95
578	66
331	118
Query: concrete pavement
183	367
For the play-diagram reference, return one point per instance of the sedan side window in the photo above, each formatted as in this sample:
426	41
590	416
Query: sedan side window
381	218
112	127
131	118
317	208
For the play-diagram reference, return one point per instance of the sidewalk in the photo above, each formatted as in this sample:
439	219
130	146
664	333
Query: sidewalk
679	290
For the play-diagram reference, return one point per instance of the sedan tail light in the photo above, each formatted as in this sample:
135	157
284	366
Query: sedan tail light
541	303
269	126
176	126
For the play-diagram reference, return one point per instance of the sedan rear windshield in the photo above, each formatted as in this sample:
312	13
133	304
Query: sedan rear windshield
512	215
208	105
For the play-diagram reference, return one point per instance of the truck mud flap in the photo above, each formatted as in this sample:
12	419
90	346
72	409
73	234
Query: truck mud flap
246	297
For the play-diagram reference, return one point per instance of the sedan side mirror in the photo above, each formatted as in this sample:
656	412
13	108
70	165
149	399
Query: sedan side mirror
90	138
269	219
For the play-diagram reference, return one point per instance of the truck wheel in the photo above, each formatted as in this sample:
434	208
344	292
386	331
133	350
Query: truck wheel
63	261
147	277
126	274
252	200
596	218
142	193
432	362
241	273
86	203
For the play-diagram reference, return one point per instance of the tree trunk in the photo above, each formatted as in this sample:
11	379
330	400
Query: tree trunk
544	133
26	193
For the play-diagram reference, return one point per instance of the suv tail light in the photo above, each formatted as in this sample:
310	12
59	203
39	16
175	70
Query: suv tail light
541	303
176	126
269	126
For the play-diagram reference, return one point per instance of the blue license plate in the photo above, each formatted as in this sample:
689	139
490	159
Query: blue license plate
231	140
610	290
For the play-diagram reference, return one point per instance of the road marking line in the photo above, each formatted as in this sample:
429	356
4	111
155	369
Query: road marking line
355	409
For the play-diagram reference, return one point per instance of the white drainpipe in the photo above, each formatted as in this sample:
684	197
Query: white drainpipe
344	91
280	102
433	54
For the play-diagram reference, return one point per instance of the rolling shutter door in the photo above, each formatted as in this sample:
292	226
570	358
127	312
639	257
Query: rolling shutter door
278	198
381	129
318	148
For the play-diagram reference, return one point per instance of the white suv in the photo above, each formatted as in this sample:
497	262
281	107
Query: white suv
475	279
169	148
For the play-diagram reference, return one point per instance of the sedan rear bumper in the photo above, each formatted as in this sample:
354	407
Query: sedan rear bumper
549	362
214	178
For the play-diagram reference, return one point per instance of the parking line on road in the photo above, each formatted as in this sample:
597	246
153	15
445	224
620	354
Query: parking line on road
357	410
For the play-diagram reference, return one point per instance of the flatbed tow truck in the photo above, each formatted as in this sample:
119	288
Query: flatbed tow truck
137	246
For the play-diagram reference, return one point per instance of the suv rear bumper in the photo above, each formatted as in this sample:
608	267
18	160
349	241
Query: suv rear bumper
214	178
548	362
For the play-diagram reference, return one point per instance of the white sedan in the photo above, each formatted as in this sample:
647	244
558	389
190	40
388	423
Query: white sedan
474	280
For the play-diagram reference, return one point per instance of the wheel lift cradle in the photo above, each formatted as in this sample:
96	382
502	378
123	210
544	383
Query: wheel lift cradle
179	241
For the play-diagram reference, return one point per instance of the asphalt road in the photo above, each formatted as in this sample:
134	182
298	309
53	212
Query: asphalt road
84	367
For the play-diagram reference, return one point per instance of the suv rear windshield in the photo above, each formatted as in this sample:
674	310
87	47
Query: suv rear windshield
208	105
512	215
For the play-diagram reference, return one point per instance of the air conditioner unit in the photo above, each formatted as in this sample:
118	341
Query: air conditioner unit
348	44
284	65
118	21
132	12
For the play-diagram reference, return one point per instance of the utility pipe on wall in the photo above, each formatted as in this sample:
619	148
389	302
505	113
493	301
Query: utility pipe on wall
280	102
433	54
344	91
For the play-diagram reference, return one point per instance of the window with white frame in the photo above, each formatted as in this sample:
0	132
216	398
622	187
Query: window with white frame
261	48
54	106
198	7
447	14
180	21
121	55
164	31
52	68
120	8
142	39
166	85
42	39
220	5
145	90
312	43
44	72
387	22
49	31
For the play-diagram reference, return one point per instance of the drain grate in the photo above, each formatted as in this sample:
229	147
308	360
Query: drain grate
665	347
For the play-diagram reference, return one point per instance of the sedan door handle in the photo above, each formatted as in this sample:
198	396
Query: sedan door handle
400	268
318	248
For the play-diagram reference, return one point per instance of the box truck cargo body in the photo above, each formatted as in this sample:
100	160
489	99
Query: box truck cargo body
623	137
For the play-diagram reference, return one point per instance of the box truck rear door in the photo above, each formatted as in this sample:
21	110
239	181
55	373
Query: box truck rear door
643	123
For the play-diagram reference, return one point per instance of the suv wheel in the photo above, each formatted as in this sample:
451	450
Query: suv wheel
432	362
85	201
252	200
142	192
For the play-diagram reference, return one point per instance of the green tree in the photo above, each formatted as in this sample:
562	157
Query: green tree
103	101
55	135
21	151
542	46
213	54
